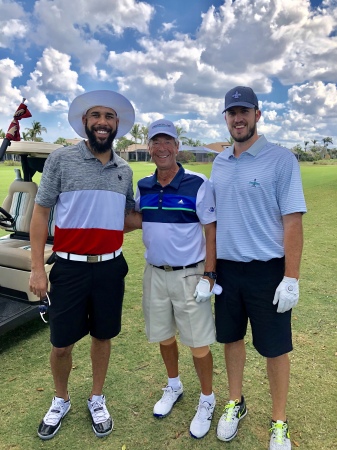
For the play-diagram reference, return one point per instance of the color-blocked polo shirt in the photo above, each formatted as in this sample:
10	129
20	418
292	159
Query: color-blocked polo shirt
252	193
173	217
90	199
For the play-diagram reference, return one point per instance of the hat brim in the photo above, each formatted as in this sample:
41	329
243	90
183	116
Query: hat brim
109	99
246	104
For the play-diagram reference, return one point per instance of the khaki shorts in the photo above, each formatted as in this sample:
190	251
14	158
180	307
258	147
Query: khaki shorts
168	305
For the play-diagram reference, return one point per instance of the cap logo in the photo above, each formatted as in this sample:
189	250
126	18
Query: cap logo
160	125
236	95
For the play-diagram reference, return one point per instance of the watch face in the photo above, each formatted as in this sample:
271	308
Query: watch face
210	275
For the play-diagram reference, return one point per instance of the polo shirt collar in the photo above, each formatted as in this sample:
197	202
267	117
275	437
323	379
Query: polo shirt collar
253	150
176	180
257	146
86	153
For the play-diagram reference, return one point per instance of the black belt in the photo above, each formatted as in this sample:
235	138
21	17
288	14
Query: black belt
170	268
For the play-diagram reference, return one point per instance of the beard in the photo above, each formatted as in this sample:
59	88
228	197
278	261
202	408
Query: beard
251	132
98	146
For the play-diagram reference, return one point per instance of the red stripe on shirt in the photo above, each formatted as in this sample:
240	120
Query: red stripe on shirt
92	241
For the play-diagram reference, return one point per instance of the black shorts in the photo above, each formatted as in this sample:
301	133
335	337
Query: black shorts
248	293
86	298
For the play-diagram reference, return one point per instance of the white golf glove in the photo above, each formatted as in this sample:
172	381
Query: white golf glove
202	291
286	294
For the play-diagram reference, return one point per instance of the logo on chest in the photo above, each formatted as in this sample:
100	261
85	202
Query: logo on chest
254	183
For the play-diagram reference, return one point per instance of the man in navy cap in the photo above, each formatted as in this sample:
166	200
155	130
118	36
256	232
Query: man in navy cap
259	239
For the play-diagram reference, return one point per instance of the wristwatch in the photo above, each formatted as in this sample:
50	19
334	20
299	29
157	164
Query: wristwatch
211	275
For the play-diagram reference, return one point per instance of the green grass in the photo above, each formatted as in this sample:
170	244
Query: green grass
136	373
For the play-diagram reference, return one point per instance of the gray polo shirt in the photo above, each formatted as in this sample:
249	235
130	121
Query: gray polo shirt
90	199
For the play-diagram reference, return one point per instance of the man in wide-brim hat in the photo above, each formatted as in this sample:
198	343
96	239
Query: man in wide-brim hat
91	188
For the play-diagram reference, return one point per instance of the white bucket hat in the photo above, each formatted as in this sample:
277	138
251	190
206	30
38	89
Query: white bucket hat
109	99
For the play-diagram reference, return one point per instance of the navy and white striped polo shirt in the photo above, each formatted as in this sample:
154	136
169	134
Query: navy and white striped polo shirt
252	193
173	217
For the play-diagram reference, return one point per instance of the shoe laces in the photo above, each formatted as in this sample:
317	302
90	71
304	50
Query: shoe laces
99	411
279	431
168	394
204	411
231	410
55	412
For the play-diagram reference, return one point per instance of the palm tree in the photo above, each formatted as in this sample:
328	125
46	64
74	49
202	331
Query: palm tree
62	141
305	145
180	132
326	141
26	136
136	132
35	131
122	143
144	131
2	134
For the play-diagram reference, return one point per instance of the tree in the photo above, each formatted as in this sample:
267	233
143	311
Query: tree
192	142
26	136
305	145
123	143
136	132
2	134
185	157
144	131
62	141
327	141
35	131
180	132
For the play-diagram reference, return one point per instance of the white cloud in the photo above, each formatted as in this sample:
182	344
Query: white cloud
168	26
12	23
52	76
182	76
315	98
75	31
10	96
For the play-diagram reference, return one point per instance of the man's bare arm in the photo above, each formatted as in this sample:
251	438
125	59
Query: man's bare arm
132	221
210	261
293	244
38	282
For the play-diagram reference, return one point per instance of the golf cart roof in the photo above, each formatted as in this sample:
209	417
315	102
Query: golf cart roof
29	148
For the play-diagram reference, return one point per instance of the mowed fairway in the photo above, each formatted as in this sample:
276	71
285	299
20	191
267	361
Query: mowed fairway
136	374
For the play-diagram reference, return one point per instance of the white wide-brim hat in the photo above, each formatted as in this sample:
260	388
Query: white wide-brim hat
109	99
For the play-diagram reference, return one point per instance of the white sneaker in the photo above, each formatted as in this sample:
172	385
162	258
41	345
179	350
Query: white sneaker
170	397
102	423
229	421
280	437
52	420
201	422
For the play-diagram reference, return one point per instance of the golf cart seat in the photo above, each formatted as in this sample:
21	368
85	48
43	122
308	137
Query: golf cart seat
15	254
20	204
17	304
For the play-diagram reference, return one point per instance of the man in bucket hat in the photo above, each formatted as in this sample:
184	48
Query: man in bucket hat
92	189
259	239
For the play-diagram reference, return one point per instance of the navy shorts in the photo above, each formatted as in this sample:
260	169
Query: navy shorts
86	298
248	293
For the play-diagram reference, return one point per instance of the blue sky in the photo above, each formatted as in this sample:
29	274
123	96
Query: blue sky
174	59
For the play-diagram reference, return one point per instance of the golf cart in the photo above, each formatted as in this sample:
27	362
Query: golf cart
17	303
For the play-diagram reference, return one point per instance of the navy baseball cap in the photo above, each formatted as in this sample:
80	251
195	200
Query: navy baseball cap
241	96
